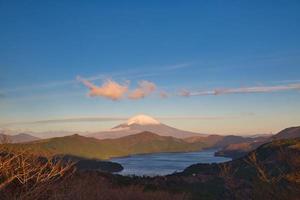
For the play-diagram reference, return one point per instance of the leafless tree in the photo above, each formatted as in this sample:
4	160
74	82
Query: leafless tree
28	175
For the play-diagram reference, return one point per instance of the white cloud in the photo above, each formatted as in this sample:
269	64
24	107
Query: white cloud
144	89
109	89
116	91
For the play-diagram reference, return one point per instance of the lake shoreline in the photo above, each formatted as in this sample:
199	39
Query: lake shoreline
173	152
165	163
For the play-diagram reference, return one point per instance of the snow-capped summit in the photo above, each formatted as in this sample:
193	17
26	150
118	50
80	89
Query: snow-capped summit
141	123
142	120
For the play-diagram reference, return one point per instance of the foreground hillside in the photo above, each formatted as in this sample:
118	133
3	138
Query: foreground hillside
76	145
272	171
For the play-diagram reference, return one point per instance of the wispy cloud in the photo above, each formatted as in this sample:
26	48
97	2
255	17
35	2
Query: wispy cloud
115	91
163	94
66	120
115	119
128	74
193	117
79	119
185	93
145	71
242	90
177	66
287	81
48	85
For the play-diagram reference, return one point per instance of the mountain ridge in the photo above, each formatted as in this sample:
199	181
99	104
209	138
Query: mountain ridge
240	149
17	138
144	142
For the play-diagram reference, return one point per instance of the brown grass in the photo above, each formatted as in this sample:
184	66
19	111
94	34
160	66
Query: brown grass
92	186
26	176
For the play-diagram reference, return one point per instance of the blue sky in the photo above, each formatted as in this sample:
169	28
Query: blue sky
194	46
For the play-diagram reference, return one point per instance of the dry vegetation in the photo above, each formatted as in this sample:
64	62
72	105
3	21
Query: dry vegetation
258	166
97	186
26	176
270	172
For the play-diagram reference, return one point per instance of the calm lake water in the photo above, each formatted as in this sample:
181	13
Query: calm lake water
165	163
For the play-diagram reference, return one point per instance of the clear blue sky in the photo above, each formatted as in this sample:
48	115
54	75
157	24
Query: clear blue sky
195	46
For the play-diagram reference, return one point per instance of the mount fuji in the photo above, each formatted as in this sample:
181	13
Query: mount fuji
141	123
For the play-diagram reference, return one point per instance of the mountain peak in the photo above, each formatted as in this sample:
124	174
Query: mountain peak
142	120
141	123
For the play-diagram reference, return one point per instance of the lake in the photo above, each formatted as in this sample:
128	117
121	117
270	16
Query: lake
165	163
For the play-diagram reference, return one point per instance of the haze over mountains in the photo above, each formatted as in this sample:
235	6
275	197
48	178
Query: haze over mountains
18	138
134	125
143	134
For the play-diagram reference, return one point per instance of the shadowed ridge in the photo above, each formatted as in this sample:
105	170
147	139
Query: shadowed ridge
292	132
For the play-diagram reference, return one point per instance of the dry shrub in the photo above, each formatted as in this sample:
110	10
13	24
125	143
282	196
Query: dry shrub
27	176
92	186
24	175
226	170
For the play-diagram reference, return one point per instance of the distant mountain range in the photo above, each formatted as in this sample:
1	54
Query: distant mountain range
141	123
135	125
141	143
236	150
18	138
139	135
288	133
